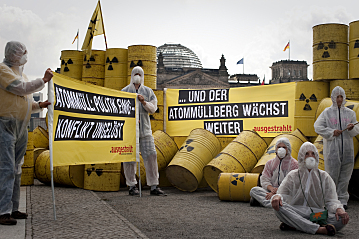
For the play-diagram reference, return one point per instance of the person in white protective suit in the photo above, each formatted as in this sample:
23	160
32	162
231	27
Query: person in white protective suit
147	146
15	110
305	189
273	174
338	146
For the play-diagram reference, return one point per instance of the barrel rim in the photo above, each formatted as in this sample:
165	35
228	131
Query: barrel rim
326	24
194	176
353	22
141	45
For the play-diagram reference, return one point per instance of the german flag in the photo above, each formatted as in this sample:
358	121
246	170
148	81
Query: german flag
286	47
76	37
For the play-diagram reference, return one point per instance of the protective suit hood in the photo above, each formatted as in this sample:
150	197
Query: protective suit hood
136	70
338	91
286	142
14	51
307	146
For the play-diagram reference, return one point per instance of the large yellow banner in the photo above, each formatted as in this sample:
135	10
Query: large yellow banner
269	110
91	124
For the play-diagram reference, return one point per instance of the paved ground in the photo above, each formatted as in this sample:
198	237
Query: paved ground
86	214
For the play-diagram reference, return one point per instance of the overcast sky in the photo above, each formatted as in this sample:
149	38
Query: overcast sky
257	30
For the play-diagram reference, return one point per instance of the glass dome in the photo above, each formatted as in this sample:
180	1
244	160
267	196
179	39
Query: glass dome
178	56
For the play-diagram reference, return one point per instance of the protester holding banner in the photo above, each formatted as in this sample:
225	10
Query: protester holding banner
307	200
15	110
273	174
336	125
147	146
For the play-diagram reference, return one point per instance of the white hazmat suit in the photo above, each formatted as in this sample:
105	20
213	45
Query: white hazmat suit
274	173
147	145
338	150
295	211
15	110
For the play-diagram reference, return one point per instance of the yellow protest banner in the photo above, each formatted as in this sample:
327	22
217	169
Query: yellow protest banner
91	124
269	110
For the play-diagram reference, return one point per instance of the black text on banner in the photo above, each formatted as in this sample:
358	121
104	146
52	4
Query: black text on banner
233	127
73	128
71	100
229	111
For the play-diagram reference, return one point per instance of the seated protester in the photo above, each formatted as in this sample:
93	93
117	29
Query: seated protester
306	191
273	174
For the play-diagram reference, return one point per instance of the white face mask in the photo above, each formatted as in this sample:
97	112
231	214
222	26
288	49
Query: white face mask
281	152
310	162
23	60
137	79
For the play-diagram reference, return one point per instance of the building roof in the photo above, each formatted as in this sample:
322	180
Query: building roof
178	56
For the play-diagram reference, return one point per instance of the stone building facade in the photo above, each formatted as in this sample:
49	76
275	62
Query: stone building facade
289	71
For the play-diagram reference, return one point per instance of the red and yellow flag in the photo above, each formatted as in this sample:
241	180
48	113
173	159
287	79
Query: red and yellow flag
76	37
286	47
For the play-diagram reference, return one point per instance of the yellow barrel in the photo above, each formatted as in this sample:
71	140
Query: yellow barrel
102	177
295	140
72	175
354	50
41	138
116	68
236	186
27	176
71	63
30	140
167	148
240	156
144	56
93	70
179	140
143	171
47	123
156	125
158	115
159	96
185	171
37	152
330	52
94	81
351	88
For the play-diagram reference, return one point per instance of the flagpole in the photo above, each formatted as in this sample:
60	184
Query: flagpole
104	34
289	49
78	36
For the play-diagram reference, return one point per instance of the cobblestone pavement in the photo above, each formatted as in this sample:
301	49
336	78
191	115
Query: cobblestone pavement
80	214
86	214
202	215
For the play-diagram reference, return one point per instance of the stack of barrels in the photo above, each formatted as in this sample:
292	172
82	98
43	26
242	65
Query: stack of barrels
27	176
331	48
111	68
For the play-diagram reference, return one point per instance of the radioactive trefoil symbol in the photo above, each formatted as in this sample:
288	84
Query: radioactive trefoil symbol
330	45
312	98
187	147
114	60
356	45
234	182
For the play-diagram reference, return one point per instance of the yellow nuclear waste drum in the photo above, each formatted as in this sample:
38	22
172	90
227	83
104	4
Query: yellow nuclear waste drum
145	57
71	175
41	138
225	141
185	171
240	156
351	88
236	186
166	147
93	70
308	94
159	96
116	68
27	176
296	140
102	177
30	140
330	52
71	63
37	152
156	125
354	50
158	115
